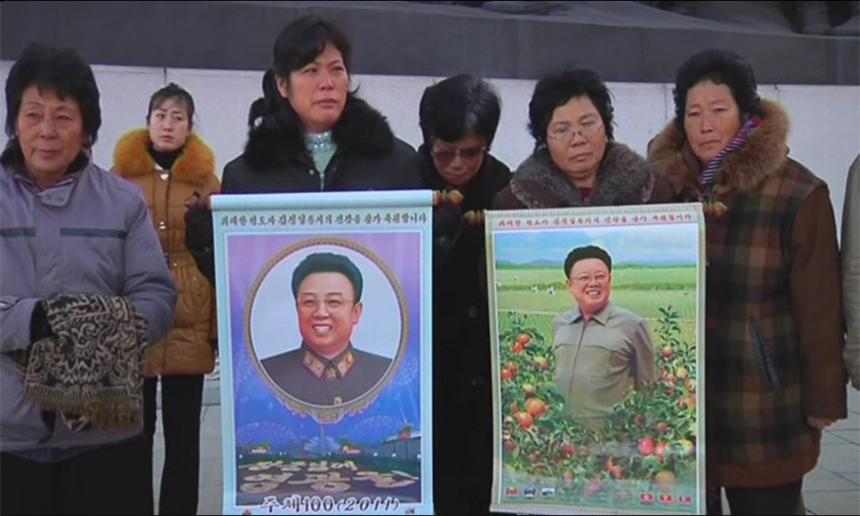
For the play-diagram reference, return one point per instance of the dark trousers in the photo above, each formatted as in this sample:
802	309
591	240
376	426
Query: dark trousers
781	499
112	479
463	452
181	401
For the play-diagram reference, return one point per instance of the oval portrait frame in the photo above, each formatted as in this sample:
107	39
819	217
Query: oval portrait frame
328	414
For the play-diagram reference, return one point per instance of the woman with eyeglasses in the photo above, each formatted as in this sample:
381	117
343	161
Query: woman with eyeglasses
576	161
458	118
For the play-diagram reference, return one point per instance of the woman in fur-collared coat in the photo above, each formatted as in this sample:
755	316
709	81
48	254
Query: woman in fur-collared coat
170	164
774	371
576	161
309	132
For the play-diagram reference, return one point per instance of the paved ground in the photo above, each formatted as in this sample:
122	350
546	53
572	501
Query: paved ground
832	488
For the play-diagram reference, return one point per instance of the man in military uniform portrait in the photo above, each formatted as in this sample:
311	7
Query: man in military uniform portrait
326	369
601	349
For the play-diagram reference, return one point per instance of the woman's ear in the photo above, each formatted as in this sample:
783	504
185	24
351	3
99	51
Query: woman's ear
283	86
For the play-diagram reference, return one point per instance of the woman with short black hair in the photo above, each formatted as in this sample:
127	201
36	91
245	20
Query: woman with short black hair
84	288
775	372
459	117
576	160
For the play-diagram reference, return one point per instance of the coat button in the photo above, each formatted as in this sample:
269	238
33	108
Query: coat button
164	176
162	225
473	312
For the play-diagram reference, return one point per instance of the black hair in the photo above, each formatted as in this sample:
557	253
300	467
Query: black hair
584	253
58	69
327	262
556	89
63	71
457	107
171	92
298	44
720	67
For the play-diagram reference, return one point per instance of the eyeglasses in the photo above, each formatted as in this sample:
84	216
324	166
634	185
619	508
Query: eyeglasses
566	133
447	156
600	279
333	304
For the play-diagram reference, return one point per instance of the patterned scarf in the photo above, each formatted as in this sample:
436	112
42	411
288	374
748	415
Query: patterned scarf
710	172
711	206
90	368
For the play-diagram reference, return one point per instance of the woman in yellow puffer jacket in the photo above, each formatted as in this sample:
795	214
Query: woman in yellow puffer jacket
169	163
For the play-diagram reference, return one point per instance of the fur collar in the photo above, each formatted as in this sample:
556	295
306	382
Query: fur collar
132	159
623	178
361	130
762	156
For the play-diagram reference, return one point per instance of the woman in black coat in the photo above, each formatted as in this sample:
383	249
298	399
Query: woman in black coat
308	133
458	118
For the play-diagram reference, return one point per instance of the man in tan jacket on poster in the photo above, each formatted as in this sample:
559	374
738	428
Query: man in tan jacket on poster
601	350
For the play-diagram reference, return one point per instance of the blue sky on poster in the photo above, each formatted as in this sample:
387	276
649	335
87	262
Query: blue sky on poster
654	245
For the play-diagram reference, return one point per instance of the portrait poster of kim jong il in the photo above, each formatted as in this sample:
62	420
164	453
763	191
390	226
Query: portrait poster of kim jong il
325	364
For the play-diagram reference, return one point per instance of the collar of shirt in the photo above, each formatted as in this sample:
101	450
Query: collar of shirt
331	368
55	195
575	315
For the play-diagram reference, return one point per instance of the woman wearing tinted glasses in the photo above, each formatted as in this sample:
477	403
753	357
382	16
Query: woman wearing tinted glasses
458	118
576	161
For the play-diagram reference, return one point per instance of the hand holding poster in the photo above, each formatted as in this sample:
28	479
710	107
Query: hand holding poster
324	307
598	323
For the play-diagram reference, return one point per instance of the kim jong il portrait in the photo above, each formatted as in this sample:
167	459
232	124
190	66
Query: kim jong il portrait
328	368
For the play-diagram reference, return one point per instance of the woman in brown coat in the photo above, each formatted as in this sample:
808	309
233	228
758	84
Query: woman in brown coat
169	163
576	161
775	376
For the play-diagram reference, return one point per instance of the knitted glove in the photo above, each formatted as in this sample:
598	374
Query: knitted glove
446	215
474	217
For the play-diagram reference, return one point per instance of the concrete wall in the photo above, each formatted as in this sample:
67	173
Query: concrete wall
825	135
620	40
